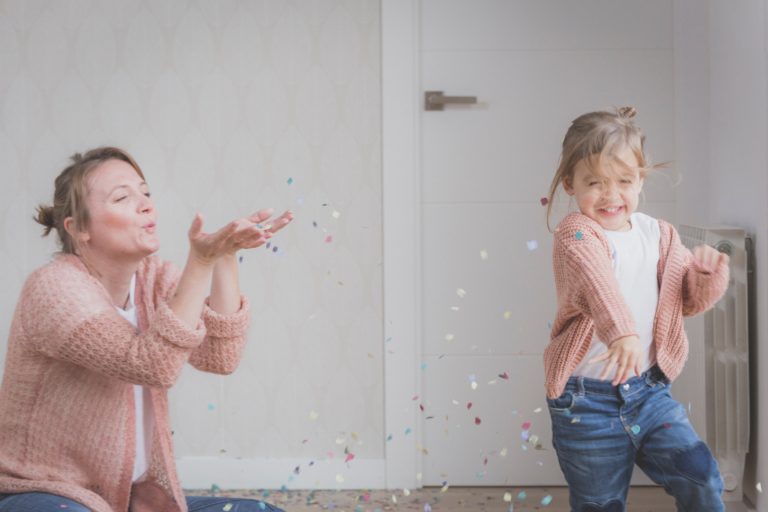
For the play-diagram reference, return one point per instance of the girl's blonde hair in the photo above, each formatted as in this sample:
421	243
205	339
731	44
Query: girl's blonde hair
594	136
70	192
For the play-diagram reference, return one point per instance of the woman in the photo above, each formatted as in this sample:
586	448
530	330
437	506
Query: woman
101	333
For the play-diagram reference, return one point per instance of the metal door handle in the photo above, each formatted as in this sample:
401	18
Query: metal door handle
434	100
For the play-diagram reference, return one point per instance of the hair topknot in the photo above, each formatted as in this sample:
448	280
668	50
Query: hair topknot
627	112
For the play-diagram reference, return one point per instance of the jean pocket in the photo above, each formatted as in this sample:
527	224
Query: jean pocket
564	402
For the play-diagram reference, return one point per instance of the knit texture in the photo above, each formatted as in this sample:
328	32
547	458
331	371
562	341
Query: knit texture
66	400
589	300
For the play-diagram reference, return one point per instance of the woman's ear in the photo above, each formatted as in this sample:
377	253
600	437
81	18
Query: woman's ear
78	236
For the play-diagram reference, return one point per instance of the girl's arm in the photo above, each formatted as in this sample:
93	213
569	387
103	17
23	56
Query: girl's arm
706	279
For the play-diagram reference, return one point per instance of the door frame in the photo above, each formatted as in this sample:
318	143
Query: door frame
401	210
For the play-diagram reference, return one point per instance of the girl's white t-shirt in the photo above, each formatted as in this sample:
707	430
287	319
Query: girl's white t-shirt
635	258
144	419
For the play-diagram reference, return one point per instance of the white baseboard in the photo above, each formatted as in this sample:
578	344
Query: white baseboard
204	472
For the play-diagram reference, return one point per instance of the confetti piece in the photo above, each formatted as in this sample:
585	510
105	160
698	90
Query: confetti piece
527	425
211	407
454	308
406	492
507	315
335	214
389	437
455	402
503	452
477	420
469	405
461	292
313	415
537	410
349	457
507	497
445	487
408	430
290	181
521	495
227	507
449	337
473	385
759	487
579	235
262	505
483	254
394	499
546	500
544	201
635	429
215	488
340	479
240	259
328	239
576	419
504	376
532	245
427	507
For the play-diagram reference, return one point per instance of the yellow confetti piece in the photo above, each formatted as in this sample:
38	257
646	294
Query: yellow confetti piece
227	507
507	315
336	214
537	410
370	356
461	292
449	337
313	415
507	497
340	479
492	382
503	452
394	499
418	477
406	492
474	385
455	308
483	254
445	487
341	440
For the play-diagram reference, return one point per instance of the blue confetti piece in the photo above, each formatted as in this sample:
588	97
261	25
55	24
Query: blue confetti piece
579	235
274	249
269	244
635	429
521	495
407	430
265	494
262	505
546	500
423	366
240	259
211	407
290	181
389	437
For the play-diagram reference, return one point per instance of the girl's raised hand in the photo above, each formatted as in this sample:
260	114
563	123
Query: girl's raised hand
624	352
708	257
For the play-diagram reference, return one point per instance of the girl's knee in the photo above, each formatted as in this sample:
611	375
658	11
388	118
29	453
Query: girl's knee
697	463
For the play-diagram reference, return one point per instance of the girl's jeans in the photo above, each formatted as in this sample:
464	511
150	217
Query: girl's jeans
43	502
601	431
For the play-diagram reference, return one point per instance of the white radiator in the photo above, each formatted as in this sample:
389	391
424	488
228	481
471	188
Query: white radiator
726	358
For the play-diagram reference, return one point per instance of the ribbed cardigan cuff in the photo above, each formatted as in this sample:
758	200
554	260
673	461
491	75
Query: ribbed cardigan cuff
173	329
231	325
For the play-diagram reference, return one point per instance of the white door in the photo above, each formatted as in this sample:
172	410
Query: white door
487	293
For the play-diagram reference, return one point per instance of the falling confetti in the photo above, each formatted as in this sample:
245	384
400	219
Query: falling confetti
449	337
340	479
461	292
546	500
406	492
427	507
507	315
537	410
521	495
473	385
503	452
394	499
454	308
335	214
579	235
290	181
635	429
408	430
227	507
313	415
507	497
527	425
211	407
328	239
240	259
423	366
445	487
478	420
349	457
483	254
759	487
544	201
532	245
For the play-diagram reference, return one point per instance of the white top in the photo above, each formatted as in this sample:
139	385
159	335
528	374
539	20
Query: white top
635	260
144	420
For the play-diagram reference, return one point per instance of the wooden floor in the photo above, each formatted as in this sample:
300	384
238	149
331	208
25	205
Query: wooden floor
555	499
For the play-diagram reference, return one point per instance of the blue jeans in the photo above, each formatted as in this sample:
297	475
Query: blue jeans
601	431
42	502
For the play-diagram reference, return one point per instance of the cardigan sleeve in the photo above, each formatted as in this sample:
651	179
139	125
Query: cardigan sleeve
583	267
702	287
225	340
67	315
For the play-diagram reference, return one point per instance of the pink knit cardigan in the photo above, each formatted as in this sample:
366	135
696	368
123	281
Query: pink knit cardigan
66	401
589	299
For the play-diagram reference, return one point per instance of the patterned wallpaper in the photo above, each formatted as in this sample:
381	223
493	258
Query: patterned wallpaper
229	106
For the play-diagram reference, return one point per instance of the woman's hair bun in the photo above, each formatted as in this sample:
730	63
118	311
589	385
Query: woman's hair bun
627	112
45	218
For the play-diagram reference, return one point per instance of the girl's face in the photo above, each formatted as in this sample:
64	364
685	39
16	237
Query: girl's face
608	195
122	215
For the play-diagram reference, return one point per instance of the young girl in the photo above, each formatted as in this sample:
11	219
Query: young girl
624	283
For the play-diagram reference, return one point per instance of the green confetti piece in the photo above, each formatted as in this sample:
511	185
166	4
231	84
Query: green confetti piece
546	500
579	235
635	429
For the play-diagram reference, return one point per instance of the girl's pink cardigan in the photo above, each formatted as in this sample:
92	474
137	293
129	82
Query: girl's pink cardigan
66	401
589	299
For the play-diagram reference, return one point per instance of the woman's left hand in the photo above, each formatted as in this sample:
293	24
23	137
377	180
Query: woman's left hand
708	257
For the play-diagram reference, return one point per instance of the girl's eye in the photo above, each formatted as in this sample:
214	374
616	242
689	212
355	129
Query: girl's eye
593	183
120	199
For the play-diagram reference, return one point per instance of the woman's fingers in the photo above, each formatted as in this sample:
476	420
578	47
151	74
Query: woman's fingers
196	227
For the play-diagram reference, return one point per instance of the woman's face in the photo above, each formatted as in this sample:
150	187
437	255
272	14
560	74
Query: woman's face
122	215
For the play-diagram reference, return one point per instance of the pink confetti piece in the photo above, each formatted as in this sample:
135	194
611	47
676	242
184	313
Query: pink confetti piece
544	201
328	239
478	420
349	457
504	376
469	405
527	425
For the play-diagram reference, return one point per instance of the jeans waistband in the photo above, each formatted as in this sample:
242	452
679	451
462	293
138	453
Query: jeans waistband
583	385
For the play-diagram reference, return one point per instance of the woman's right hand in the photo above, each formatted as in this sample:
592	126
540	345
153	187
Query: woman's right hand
625	352
241	233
